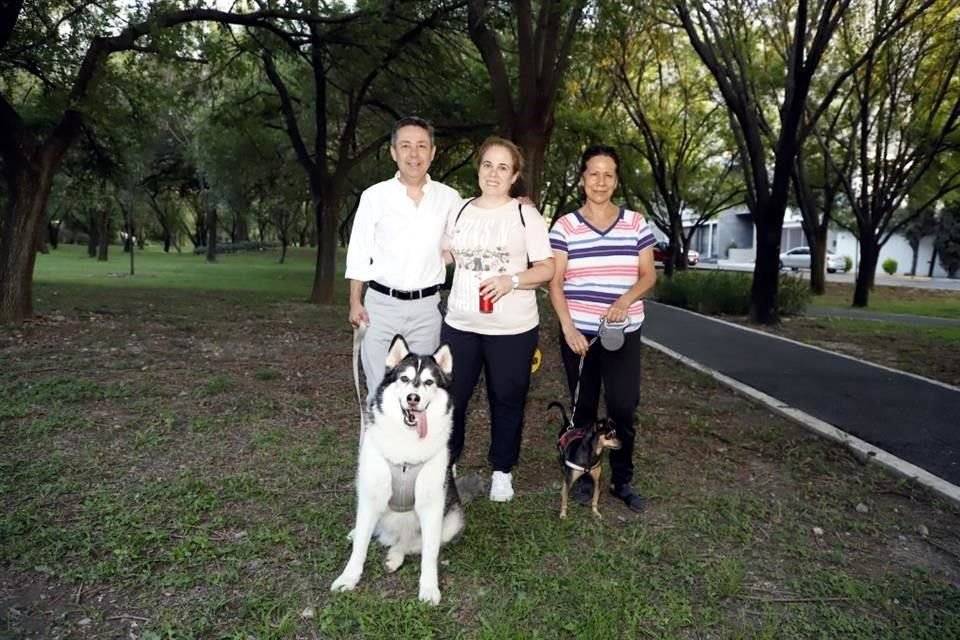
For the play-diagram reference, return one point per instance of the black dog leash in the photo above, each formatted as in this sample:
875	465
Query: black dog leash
576	390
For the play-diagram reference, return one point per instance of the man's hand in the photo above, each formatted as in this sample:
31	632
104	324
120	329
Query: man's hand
358	315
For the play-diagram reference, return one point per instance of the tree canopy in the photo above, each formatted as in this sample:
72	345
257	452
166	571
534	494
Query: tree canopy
184	123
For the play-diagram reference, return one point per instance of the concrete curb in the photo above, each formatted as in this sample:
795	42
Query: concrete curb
864	449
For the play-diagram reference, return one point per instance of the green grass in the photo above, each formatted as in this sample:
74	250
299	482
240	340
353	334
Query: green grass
934	337
246	273
890	299
183	452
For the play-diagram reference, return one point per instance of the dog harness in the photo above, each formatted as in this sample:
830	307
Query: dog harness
403	480
567	438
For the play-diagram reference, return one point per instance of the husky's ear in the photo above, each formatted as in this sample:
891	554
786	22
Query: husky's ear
444	358
398	351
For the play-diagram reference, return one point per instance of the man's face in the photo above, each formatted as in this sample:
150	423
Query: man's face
413	153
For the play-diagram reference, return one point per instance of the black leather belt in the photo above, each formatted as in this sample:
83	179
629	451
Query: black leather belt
404	295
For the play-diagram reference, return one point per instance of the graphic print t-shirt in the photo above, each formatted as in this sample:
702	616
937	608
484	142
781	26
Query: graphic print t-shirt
494	242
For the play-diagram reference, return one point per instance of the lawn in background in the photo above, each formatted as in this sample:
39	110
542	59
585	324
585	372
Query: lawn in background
890	299
252	272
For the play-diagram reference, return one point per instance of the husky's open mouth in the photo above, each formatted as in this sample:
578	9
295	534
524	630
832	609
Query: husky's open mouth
413	418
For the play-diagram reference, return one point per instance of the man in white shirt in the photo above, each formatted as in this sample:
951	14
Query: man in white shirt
396	251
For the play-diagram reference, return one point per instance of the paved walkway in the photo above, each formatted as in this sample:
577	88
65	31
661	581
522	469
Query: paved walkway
909	417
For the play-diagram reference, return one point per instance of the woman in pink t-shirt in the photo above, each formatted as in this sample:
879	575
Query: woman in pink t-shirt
604	268
502	255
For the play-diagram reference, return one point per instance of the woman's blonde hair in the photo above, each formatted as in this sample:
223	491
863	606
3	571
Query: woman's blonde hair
496	141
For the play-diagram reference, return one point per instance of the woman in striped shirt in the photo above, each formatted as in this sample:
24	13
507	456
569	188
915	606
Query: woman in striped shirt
603	259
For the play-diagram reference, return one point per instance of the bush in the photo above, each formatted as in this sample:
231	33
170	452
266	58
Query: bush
234	247
727	293
890	266
847	264
793	295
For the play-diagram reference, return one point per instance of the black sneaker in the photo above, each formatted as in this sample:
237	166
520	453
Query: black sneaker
582	490
631	498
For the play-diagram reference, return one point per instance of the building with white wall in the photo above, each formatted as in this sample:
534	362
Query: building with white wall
732	236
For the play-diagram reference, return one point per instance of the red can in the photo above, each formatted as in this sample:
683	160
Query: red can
486	304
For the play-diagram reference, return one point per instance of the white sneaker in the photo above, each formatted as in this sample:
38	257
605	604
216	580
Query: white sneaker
501	487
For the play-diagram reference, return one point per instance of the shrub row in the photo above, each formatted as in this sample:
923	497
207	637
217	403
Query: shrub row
234	247
727	293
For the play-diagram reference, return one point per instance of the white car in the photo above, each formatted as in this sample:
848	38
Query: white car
799	258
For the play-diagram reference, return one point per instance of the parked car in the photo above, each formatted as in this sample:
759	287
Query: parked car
799	258
661	250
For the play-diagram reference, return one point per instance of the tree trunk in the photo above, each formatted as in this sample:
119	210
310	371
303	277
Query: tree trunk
933	261
325	212
28	190
766	270
866	272
241	230
211	223
53	231
818	260
915	246
676	239
103	234
678	254
43	232
283	250
93	237
532	141
199	238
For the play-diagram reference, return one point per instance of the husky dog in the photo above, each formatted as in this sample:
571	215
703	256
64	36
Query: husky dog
406	495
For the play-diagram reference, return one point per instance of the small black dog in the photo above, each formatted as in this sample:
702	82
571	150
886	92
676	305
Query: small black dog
580	452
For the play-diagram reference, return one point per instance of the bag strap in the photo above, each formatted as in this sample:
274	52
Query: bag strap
460	213
465	204
519	210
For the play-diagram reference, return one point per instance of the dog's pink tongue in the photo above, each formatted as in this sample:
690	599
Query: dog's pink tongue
421	417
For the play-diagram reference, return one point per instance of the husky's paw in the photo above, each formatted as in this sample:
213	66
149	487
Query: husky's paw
394	559
346	582
430	594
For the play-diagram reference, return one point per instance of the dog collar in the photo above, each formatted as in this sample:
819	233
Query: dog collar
579	468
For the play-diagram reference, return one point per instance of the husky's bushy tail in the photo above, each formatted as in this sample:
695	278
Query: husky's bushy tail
470	486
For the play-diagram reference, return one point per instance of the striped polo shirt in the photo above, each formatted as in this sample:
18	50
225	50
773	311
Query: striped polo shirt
601	265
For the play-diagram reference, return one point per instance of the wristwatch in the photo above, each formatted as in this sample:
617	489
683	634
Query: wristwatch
515	279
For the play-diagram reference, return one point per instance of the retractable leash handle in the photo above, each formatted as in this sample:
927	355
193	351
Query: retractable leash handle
611	334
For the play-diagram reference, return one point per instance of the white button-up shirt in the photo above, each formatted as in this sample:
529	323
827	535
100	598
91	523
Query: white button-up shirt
397	242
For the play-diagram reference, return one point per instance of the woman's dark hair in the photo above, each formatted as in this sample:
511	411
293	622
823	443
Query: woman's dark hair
599	150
